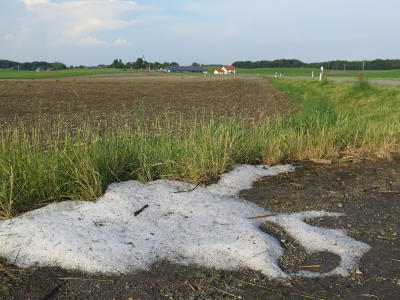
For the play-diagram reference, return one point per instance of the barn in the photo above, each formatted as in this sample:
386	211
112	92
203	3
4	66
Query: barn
186	69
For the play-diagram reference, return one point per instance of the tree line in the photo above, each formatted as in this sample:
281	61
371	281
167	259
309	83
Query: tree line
31	66
140	63
377	64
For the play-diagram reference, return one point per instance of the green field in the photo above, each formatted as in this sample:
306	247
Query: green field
286	72
12	74
306	72
335	120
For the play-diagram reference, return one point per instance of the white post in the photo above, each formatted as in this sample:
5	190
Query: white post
280	75
320	74
276	74
312	74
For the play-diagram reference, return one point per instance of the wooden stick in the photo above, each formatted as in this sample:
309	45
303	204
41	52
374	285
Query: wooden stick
140	210
262	217
389	192
86	279
386	238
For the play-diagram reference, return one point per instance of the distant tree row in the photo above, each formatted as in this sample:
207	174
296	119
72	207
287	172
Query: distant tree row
31	66
140	63
377	64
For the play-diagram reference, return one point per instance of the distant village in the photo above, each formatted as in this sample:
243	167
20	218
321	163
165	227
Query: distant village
198	69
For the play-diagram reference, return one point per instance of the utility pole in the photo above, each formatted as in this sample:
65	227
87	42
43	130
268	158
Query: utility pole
363	65
344	67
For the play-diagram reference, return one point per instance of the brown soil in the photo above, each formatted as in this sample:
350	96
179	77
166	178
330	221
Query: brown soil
367	192
103	97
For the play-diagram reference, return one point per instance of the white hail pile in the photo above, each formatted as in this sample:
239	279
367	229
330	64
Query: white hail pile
134	225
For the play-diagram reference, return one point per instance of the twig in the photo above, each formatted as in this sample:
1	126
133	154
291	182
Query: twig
190	285
86	279
311	266
386	238
19	251
390	192
396	260
262	217
321	161
223	292
140	210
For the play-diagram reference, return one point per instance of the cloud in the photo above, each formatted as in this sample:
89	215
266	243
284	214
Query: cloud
16	38
74	22
93	24
91	41
120	42
33	2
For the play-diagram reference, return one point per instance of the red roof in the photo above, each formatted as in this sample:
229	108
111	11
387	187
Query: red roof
230	67
220	71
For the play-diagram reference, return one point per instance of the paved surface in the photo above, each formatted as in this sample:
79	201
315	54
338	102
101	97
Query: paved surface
340	79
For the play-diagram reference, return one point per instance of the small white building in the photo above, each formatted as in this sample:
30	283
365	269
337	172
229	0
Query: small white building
229	69
226	70
219	72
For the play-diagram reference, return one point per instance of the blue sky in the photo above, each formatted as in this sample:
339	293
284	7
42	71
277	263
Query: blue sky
91	32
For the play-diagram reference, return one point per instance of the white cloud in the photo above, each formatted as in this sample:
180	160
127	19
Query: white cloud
91	41
33	2
92	24
120	42
74	22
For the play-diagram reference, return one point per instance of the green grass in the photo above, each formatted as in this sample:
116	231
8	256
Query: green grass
284	71
12	74
336	119
306	72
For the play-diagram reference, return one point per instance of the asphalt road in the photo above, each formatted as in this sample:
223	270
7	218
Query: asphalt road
340	79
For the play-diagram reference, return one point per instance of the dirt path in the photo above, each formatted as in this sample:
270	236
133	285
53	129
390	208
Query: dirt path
366	192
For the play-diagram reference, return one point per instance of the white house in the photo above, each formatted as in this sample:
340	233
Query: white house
229	69
226	70
219	72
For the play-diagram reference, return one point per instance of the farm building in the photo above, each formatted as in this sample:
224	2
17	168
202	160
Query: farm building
229	69
186	69
219	72
226	70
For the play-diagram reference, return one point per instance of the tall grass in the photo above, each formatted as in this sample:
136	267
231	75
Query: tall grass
44	163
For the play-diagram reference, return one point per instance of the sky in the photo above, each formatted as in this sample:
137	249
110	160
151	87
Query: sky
91	32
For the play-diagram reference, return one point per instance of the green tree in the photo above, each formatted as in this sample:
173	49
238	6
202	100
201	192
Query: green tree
58	66
139	64
118	64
